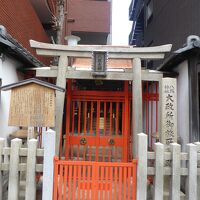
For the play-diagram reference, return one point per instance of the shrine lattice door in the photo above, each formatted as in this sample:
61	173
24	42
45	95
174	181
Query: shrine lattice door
97	125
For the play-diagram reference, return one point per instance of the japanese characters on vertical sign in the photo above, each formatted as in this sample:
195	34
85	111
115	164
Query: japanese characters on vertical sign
169	111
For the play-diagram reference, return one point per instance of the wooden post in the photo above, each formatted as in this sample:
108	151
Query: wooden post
30	170
192	172
2	143
137	103
126	123
30	134
176	164
198	165
160	105
48	164
60	98
142	167
159	171
43	131
13	186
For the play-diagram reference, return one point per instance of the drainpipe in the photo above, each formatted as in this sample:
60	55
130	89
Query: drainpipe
3	32
109	38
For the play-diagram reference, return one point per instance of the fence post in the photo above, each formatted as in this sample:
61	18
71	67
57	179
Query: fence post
198	166
142	167
30	170
192	172
2	143
175	178
48	164
159	171
13	185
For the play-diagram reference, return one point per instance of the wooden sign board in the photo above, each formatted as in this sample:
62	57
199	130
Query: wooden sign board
32	105
169	111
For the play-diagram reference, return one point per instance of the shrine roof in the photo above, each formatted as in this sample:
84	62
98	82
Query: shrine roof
192	47
31	80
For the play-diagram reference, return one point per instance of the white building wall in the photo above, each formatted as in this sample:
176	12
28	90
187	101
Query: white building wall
183	103
8	74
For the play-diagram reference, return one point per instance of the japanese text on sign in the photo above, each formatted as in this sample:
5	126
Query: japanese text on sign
169	111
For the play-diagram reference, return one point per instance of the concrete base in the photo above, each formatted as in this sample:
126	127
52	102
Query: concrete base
166	196
167	189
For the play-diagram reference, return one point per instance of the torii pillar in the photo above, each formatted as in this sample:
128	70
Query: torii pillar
60	96
136	103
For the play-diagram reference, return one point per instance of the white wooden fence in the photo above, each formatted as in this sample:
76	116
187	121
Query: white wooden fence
171	165
159	164
19	161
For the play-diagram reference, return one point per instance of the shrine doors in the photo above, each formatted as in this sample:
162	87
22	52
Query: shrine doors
97	125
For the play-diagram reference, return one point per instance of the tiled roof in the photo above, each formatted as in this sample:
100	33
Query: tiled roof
22	23
31	80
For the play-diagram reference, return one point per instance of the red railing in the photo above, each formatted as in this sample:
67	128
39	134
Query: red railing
94	180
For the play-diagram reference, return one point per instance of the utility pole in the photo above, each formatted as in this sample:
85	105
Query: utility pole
61	19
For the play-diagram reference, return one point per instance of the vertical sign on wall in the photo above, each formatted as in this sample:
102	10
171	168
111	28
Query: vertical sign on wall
169	111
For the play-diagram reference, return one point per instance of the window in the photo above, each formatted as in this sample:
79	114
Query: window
149	12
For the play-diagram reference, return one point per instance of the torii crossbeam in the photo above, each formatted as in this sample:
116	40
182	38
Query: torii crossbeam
63	72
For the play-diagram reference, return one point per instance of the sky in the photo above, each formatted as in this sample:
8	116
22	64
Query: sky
121	26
